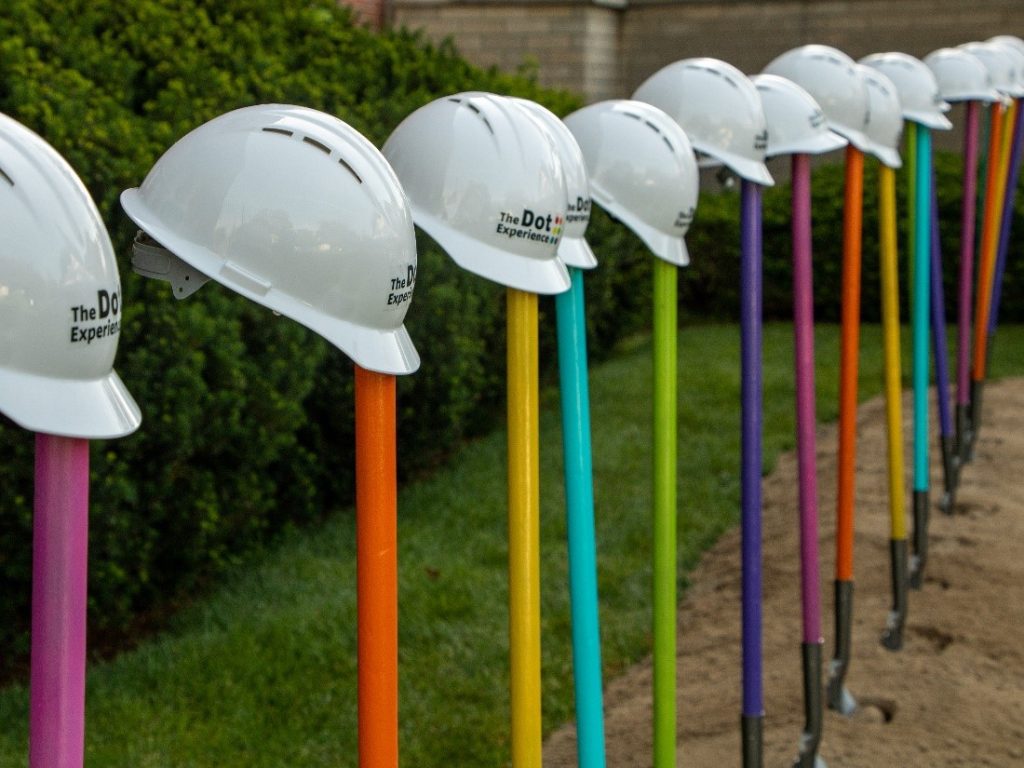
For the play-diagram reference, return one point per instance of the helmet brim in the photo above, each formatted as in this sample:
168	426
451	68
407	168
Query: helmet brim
934	120
670	248
987	96
858	139
383	350
744	167
886	155
819	144
95	409
575	252
524	273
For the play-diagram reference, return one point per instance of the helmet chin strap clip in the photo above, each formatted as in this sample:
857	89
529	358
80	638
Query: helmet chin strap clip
150	259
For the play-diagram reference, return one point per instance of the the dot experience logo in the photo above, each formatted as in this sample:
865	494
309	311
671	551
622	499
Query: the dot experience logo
579	210
685	218
539	227
761	141
103	319
401	287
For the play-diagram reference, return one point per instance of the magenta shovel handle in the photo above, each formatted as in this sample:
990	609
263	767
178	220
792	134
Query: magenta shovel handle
59	571
966	280
803	329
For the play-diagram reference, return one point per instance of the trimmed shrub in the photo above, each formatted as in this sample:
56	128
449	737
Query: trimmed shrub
247	417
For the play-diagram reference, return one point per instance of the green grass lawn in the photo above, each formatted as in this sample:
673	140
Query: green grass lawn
262	671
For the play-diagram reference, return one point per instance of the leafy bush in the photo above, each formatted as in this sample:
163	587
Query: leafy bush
247	418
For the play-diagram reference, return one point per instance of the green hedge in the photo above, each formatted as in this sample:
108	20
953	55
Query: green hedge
247	417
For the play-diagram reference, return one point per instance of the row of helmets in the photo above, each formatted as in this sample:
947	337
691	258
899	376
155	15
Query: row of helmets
297	211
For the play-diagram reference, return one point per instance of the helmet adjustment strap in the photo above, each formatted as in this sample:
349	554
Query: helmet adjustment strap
150	259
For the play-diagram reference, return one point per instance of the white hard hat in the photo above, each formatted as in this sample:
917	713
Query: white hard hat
886	124
60	298
830	77
1000	63
961	75
642	171
574	249
291	208
1017	63
796	124
719	109
917	88
485	182
1011	40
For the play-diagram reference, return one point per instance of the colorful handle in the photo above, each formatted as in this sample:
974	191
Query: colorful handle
60	550
524	528
803	332
579	498
377	568
751	417
664	555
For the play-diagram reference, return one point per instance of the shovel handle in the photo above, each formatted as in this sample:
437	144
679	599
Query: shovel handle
377	568
60	551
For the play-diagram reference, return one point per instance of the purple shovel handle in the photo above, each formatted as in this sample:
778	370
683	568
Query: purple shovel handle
967	226
803	330
938	311
59	570
750	461
1007	223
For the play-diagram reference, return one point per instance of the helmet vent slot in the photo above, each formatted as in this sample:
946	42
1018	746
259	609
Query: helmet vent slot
6	178
668	144
474	108
633	115
319	145
652	126
282	131
349	168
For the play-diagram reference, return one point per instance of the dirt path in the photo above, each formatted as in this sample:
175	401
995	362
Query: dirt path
954	696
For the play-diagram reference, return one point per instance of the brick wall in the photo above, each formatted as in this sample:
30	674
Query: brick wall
750	34
572	44
369	11
605	48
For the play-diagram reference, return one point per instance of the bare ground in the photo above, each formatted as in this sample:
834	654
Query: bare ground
954	696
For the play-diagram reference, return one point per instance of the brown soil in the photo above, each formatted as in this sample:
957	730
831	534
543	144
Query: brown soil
954	696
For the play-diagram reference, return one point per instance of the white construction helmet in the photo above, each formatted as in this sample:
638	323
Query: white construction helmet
886	125
60	298
291	208
918	90
574	249
1017	62
1011	40
484	180
719	109
999	61
961	75
642	171
830	77
796	124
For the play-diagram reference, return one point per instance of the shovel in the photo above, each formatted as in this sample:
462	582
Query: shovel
966	281
892	638
839	698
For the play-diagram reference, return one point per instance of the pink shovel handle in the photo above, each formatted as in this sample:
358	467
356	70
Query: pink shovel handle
59	569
